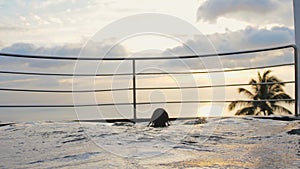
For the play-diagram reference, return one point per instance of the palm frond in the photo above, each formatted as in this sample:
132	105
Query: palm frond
265	75
254	84
253	81
246	92
280	96
274	79
281	109
235	104
275	88
246	111
232	105
259	77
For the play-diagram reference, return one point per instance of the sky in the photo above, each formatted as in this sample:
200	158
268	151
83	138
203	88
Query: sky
77	27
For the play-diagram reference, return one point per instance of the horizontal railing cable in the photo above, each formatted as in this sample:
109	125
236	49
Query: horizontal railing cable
63	91
144	88
143	74
215	101
141	103
213	86
144	58
217	71
61	74
61	106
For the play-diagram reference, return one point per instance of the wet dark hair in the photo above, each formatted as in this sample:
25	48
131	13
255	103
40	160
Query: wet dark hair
160	118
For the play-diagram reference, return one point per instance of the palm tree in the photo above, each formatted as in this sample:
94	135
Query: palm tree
267	92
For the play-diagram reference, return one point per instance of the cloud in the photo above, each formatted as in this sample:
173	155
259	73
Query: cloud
56	20
1	44
71	50
252	11
12	28
51	66
44	22
253	37
248	38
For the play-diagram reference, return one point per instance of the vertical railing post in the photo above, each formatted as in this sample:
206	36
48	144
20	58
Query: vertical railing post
296	80
296	4
134	89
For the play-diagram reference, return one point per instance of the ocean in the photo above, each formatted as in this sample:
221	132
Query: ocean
220	142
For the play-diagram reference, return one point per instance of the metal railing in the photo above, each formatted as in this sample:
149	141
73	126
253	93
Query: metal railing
134	75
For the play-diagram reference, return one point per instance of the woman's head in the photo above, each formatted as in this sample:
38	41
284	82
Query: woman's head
160	118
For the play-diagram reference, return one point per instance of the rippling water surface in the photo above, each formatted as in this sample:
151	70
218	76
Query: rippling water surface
219	143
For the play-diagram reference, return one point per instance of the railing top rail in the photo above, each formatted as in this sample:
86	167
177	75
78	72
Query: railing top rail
145	58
